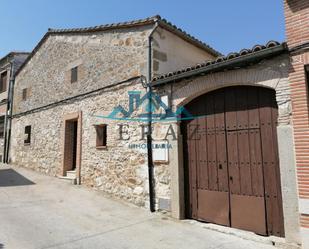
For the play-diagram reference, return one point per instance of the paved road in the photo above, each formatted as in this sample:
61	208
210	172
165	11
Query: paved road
38	211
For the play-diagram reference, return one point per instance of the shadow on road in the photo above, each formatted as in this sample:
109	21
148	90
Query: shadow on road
10	178
1	246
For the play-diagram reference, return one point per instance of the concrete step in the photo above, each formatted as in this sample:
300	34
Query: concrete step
73	180
71	174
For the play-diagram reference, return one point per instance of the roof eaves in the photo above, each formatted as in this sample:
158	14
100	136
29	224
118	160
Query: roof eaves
244	57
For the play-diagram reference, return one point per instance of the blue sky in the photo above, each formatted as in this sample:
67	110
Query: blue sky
226	25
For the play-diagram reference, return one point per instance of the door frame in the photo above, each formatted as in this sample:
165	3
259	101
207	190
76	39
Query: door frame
76	116
252	197
287	163
273	74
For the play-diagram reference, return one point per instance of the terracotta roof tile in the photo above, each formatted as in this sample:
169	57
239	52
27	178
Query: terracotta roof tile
220	59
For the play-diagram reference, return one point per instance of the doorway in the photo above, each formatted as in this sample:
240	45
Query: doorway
70	146
231	160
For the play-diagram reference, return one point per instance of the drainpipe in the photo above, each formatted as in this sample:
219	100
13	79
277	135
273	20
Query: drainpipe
149	125
8	119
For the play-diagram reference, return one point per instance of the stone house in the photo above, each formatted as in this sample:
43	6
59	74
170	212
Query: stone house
121	108
9	64
75	75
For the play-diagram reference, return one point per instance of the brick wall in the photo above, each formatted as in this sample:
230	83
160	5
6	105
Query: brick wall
297	32
297	21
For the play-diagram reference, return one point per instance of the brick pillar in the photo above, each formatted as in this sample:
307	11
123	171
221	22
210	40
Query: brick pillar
297	32
296	22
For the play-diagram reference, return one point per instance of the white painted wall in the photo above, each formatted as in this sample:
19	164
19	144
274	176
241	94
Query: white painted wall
179	53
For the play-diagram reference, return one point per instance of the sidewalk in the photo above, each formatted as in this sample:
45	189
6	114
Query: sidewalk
39	211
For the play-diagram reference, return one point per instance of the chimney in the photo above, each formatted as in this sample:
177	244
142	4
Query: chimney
296	22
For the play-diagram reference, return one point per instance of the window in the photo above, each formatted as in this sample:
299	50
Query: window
27	134
1	126
24	97
3	80
74	74
101	130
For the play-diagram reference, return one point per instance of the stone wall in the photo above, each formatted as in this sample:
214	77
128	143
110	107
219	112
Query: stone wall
103	58
117	170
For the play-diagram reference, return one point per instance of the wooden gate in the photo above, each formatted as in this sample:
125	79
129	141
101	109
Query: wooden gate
232	161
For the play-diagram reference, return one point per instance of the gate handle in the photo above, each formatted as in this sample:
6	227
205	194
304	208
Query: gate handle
231	178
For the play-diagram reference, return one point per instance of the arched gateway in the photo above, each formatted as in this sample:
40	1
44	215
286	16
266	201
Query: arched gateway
231	160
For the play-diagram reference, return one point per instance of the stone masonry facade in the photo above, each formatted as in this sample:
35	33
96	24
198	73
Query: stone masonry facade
103	59
45	95
111	65
116	170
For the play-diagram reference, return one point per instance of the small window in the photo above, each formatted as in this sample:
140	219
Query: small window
1	126
24	94
3	80
27	134
74	74
101	130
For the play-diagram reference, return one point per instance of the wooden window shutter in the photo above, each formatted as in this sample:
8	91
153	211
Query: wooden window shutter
3	80
74	74
101	131
24	94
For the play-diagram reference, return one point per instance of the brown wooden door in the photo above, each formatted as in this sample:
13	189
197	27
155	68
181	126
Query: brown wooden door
232	160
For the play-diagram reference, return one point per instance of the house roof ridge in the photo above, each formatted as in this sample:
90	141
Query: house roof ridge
139	22
156	18
104	26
